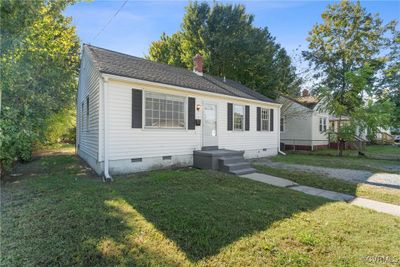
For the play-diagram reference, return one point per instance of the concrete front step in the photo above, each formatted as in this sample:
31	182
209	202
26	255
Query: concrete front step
235	166
243	171
228	160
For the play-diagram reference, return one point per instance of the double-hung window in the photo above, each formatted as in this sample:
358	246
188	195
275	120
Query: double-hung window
238	117
87	114
164	111
82	116
265	119
322	125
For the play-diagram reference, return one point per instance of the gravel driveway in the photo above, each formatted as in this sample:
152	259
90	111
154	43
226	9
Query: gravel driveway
355	176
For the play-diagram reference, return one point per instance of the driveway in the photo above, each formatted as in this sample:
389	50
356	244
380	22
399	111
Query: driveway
355	176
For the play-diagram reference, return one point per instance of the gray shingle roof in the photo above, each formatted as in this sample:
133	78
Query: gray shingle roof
111	62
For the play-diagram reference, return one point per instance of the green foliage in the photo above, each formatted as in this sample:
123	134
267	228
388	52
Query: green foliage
39	58
347	53
60	127
231	46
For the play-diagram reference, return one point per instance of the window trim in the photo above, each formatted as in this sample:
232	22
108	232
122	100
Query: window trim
282	122
87	113
185	112
82	116
322	124
243	118
268	112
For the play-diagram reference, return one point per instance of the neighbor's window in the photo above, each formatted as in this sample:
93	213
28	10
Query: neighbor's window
322	125
265	119
238	117
87	113
164	111
282	124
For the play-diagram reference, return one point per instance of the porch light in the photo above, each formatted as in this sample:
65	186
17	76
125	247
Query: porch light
198	107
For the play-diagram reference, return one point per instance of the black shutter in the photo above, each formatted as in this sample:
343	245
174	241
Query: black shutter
230	117
137	101
247	118
191	113
271	127
258	119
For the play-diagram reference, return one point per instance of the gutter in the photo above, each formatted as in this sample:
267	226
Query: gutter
174	87
106	175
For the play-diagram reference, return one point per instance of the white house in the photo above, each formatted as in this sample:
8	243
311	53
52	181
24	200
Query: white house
303	126
134	114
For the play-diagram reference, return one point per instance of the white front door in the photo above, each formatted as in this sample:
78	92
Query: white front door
210	137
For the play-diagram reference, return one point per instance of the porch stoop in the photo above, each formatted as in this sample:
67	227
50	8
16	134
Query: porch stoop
230	161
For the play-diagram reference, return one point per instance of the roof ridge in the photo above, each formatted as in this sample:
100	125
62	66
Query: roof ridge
143	59
218	84
122	64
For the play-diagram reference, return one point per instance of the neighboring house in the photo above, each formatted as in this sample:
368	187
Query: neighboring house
345	120
303	126
134	114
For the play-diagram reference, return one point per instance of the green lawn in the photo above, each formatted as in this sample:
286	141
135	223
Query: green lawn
389	152
58	214
345	162
378	193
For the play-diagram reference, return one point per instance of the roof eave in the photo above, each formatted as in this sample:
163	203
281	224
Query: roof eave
115	77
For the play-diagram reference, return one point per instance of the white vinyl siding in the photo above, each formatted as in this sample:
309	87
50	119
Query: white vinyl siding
164	111
265	119
238	117
88	128
127	142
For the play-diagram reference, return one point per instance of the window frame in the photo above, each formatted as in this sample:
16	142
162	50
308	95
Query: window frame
148	94
267	121
322	124
243	118
282	125
87	113
82	126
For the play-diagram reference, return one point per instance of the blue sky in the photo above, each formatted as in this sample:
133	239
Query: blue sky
140	22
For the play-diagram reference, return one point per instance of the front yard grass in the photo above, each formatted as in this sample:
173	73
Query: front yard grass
389	152
58	214
345	162
378	193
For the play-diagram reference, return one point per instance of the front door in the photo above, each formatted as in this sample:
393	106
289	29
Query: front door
210	137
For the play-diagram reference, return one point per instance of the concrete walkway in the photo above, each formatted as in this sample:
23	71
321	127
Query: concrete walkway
358	201
390	180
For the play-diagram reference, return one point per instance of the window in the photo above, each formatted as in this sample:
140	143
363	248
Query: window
238	118
282	124
164	111
87	113
322	125
265	119
82	115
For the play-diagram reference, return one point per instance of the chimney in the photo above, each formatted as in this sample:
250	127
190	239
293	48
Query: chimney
305	92
198	64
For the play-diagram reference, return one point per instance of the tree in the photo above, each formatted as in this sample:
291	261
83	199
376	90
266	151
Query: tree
232	47
346	53
40	60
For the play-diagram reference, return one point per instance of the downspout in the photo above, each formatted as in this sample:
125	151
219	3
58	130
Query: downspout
106	176
279	132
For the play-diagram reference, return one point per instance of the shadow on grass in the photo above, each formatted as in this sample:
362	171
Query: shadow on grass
168	217
203	211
